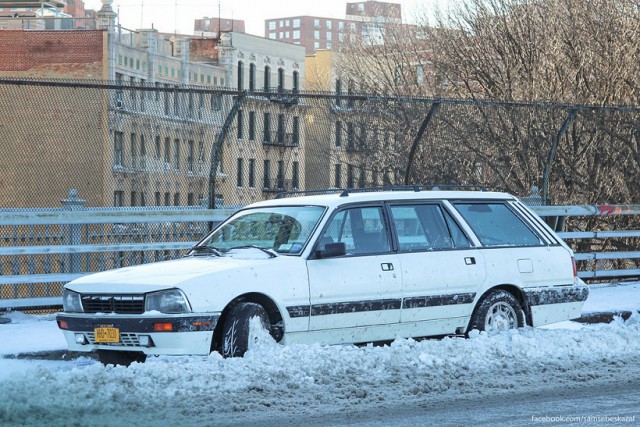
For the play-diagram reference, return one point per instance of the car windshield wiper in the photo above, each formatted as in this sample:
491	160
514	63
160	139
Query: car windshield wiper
269	252
205	250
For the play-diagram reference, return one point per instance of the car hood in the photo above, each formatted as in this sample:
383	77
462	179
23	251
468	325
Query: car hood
162	275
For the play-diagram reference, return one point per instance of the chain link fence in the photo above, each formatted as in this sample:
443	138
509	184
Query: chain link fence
156	145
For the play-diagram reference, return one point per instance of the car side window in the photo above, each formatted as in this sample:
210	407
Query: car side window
361	229
497	225
426	227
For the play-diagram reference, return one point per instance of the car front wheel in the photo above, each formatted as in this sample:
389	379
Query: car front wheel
497	311
237	333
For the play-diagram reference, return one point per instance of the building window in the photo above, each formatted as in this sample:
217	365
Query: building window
167	102
328	36
240	124
351	136
338	176
240	75
296	81
295	179
134	198
190	199
118	198
267	127
190	157
252	125
341	25
316	23
338	133
134	151
156	197
117	148
328	46
176	154
281	129
176	199
167	152
316	35
280	174
296	34
272	25
252	77
201	151
361	179
316	45
240	173
216	102
158	153
167	199
272	36
328	25
266	174
267	77
296	131
296	23
143	201
280	79
176	103
143	153
252	173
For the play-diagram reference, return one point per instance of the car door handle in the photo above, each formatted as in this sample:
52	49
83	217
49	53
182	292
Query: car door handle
386	266
470	260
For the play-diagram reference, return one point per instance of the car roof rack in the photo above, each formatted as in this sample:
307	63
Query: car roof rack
344	192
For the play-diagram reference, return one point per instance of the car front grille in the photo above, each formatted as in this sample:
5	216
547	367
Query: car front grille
120	304
126	340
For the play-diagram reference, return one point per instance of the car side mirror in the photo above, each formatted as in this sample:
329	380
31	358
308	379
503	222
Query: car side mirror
332	250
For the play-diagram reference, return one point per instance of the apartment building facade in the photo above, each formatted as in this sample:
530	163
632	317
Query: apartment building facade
364	22
150	140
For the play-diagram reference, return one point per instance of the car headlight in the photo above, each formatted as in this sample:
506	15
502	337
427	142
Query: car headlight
172	301
71	302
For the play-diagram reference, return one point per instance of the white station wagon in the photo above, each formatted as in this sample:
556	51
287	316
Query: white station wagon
350	267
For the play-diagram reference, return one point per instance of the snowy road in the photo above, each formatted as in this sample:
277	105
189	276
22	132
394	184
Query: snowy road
505	379
524	377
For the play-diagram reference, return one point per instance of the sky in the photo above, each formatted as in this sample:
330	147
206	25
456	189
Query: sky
179	15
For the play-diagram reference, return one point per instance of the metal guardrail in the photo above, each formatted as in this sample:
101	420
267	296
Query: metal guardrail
557	215
30	251
52	246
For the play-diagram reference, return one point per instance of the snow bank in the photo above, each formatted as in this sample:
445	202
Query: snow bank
301	380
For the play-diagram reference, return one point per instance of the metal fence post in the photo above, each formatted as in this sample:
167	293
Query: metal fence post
72	233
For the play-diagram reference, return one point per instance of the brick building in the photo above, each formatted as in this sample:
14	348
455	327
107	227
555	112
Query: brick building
364	22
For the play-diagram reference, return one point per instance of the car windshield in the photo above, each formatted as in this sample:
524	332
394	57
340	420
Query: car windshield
283	229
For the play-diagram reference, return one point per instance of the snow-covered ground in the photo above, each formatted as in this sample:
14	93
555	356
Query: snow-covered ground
302	382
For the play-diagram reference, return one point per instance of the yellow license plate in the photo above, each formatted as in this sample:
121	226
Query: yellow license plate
106	334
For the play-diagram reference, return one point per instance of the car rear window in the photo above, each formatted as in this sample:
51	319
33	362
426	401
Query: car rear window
497	225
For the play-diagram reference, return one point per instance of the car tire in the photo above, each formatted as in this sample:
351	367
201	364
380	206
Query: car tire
497	311
236	332
122	358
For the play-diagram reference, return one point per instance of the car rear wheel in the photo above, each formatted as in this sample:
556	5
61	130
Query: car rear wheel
497	311
237	333
123	358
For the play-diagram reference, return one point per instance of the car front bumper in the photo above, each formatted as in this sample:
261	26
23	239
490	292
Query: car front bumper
162	334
